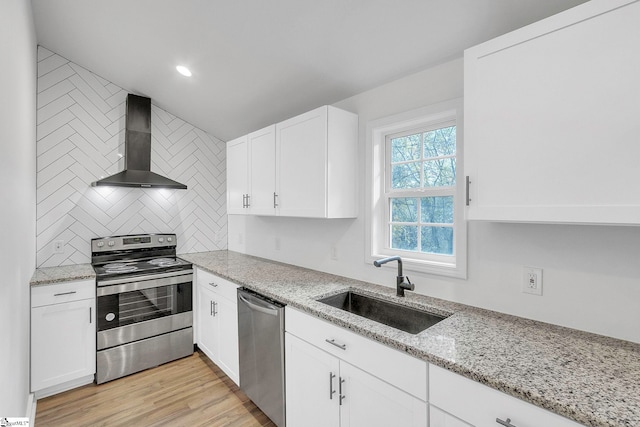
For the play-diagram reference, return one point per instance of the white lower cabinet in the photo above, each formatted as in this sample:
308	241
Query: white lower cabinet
456	401
63	336
217	321
325	388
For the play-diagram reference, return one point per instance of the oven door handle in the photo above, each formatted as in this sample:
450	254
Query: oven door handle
143	284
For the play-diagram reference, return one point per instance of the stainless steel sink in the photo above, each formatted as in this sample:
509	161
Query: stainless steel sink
395	315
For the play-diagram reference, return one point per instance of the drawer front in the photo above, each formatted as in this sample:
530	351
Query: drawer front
480	405
62	292
396	368
218	285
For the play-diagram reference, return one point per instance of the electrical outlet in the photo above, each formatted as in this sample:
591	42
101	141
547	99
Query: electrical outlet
58	247
334	252
532	280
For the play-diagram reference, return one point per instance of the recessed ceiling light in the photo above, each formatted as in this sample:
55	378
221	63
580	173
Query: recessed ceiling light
183	70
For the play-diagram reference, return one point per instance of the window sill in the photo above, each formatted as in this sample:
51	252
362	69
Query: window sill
422	266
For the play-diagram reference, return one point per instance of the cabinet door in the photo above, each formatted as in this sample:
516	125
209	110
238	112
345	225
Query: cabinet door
371	402
439	418
262	171
227	319
207	323
551	119
312	385
63	343
237	175
301	165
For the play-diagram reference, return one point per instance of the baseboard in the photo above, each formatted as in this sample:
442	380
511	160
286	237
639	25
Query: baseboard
31	409
46	392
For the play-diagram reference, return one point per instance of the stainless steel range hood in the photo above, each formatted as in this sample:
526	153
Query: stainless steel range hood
137	146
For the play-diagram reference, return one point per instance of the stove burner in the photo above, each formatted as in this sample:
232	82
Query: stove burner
119	267
164	262
116	266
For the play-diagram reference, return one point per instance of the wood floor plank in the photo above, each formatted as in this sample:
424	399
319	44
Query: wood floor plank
188	392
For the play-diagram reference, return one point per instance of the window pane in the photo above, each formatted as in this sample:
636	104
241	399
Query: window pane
437	240
405	148
437	209
404	237
404	210
405	175
440	173
440	142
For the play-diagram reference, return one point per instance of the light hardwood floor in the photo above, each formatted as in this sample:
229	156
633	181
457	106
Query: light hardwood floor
187	392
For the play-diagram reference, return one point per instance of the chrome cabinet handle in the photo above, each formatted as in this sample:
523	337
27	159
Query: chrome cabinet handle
244	201
467	190
64	293
211	308
215	285
333	342
248	200
90	316
505	423
331	390
341	396
275	200
215	306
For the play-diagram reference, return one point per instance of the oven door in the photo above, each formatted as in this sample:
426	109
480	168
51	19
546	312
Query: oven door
139	307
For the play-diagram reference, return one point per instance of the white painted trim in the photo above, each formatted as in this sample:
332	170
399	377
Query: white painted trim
50	391
31	409
374	183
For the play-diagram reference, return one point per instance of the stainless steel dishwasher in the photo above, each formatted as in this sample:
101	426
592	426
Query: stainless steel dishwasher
261	346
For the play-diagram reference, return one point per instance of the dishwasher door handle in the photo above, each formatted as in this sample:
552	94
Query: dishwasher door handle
267	309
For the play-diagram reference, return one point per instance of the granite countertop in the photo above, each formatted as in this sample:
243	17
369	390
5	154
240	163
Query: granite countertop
592	379
65	273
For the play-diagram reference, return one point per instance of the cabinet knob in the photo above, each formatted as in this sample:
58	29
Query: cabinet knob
505	423
333	342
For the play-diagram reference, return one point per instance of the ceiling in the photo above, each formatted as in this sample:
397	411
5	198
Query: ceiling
257	62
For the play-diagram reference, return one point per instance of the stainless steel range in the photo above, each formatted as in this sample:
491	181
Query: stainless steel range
144	303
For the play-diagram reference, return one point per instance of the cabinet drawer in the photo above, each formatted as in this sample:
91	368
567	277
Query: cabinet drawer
399	369
218	285
480	405
62	292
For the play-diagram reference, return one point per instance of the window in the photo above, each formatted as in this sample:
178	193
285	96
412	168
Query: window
417	202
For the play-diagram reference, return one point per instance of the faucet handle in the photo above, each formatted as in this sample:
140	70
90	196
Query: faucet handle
411	285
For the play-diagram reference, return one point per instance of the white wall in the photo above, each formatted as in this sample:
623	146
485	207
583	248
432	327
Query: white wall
80	138
591	273
18	198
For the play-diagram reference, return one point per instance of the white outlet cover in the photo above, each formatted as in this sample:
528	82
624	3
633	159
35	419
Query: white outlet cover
532	280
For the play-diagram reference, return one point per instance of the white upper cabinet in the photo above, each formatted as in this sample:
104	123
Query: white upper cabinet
262	171
251	175
551	119
316	164
237	175
303	167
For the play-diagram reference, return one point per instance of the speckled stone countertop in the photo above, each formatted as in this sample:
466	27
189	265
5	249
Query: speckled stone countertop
589	378
65	273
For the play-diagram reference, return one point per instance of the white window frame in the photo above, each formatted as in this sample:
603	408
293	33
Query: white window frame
378	194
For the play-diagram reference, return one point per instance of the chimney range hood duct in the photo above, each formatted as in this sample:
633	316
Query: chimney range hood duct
137	146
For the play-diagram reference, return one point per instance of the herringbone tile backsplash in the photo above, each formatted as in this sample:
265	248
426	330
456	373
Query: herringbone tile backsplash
80	135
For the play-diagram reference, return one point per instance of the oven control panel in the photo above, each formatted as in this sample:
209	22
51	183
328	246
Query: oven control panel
142	241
